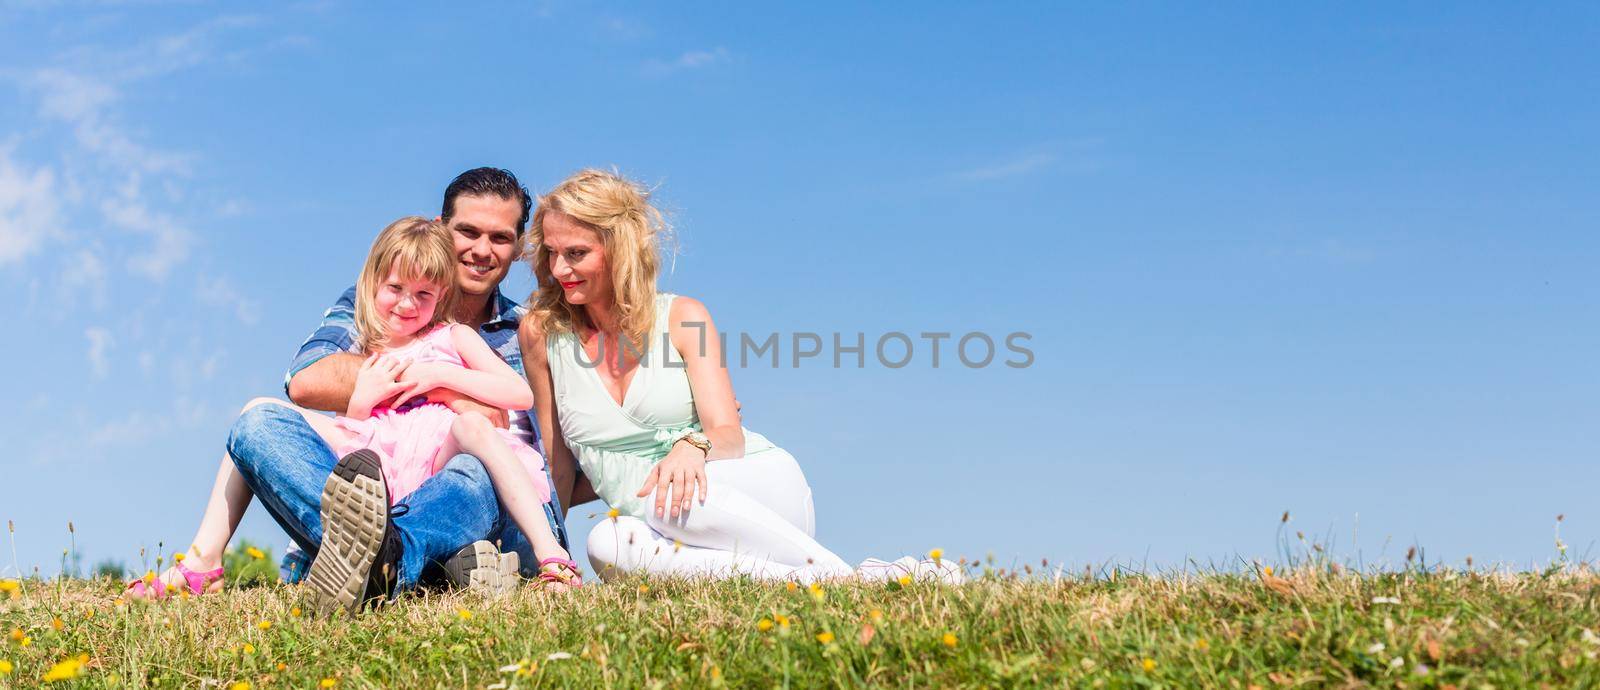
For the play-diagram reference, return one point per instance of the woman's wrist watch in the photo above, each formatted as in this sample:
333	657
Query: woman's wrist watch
698	440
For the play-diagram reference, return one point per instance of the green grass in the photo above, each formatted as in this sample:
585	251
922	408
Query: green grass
1316	627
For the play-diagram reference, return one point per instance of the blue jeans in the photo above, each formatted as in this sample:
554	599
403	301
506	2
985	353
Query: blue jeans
285	463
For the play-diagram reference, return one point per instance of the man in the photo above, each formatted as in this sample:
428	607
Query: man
449	519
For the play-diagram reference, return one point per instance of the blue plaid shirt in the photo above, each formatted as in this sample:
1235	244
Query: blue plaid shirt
337	333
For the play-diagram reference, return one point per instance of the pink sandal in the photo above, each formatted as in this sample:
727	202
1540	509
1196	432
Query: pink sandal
199	583
562	570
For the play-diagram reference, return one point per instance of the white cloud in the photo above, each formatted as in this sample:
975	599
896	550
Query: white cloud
100	341
84	275
1011	168
129	430
29	214
169	241
84	102
690	60
218	292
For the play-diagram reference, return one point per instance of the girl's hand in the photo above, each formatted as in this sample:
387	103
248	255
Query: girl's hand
424	377
375	383
681	472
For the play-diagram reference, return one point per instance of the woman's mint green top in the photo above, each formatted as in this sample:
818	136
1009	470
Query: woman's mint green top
616	445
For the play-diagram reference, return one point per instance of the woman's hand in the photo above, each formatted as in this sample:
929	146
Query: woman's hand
375	383
681	471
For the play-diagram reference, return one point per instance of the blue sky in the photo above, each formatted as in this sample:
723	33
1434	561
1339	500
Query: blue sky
1323	259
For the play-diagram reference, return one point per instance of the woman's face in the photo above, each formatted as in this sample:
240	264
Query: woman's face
406	305
577	260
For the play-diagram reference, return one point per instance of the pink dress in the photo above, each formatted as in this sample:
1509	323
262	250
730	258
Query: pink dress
409	440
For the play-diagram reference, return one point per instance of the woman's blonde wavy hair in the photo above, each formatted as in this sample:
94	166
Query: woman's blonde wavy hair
422	250
630	228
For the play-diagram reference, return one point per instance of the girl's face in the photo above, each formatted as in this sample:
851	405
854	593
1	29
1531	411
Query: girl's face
406	305
577	260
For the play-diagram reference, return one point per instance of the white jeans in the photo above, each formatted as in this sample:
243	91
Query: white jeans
757	520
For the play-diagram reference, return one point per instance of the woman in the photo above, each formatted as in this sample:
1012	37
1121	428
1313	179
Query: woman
628	381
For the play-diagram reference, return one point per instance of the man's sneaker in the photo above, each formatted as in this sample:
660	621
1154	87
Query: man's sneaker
360	551
481	567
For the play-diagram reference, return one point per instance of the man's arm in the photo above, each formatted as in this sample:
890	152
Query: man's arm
323	373
327	383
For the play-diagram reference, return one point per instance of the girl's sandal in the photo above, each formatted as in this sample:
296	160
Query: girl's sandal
153	588
559	570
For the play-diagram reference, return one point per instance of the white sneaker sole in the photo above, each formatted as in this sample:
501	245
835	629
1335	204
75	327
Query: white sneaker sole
482	568
355	512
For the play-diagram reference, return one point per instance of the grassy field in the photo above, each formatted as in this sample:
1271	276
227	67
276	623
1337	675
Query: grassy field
1318	626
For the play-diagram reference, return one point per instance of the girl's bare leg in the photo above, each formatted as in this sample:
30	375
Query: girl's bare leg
230	497
472	433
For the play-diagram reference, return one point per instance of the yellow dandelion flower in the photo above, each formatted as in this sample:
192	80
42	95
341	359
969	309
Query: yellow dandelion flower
241	685
1148	664
905	580
294	612
282	666
464	614
255	553
816	591
9	585
178	557
783	621
1202	645
936	554
57	624
716	673
644	589
149	577
328	683
764	624
613	513
265	625
949	640
88	614
875	614
17	634
1266	570
791	586
825	637
249	648
66	669
6	668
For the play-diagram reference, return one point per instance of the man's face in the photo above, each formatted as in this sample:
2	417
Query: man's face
485	232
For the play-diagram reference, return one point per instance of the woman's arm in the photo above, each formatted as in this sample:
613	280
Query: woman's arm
563	468
486	378
676	479
694	336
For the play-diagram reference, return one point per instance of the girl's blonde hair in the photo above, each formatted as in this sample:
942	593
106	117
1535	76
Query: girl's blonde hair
422	250
630	228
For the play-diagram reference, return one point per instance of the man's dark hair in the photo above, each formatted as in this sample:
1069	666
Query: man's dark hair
487	182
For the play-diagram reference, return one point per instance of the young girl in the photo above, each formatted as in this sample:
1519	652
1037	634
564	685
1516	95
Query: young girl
403	299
